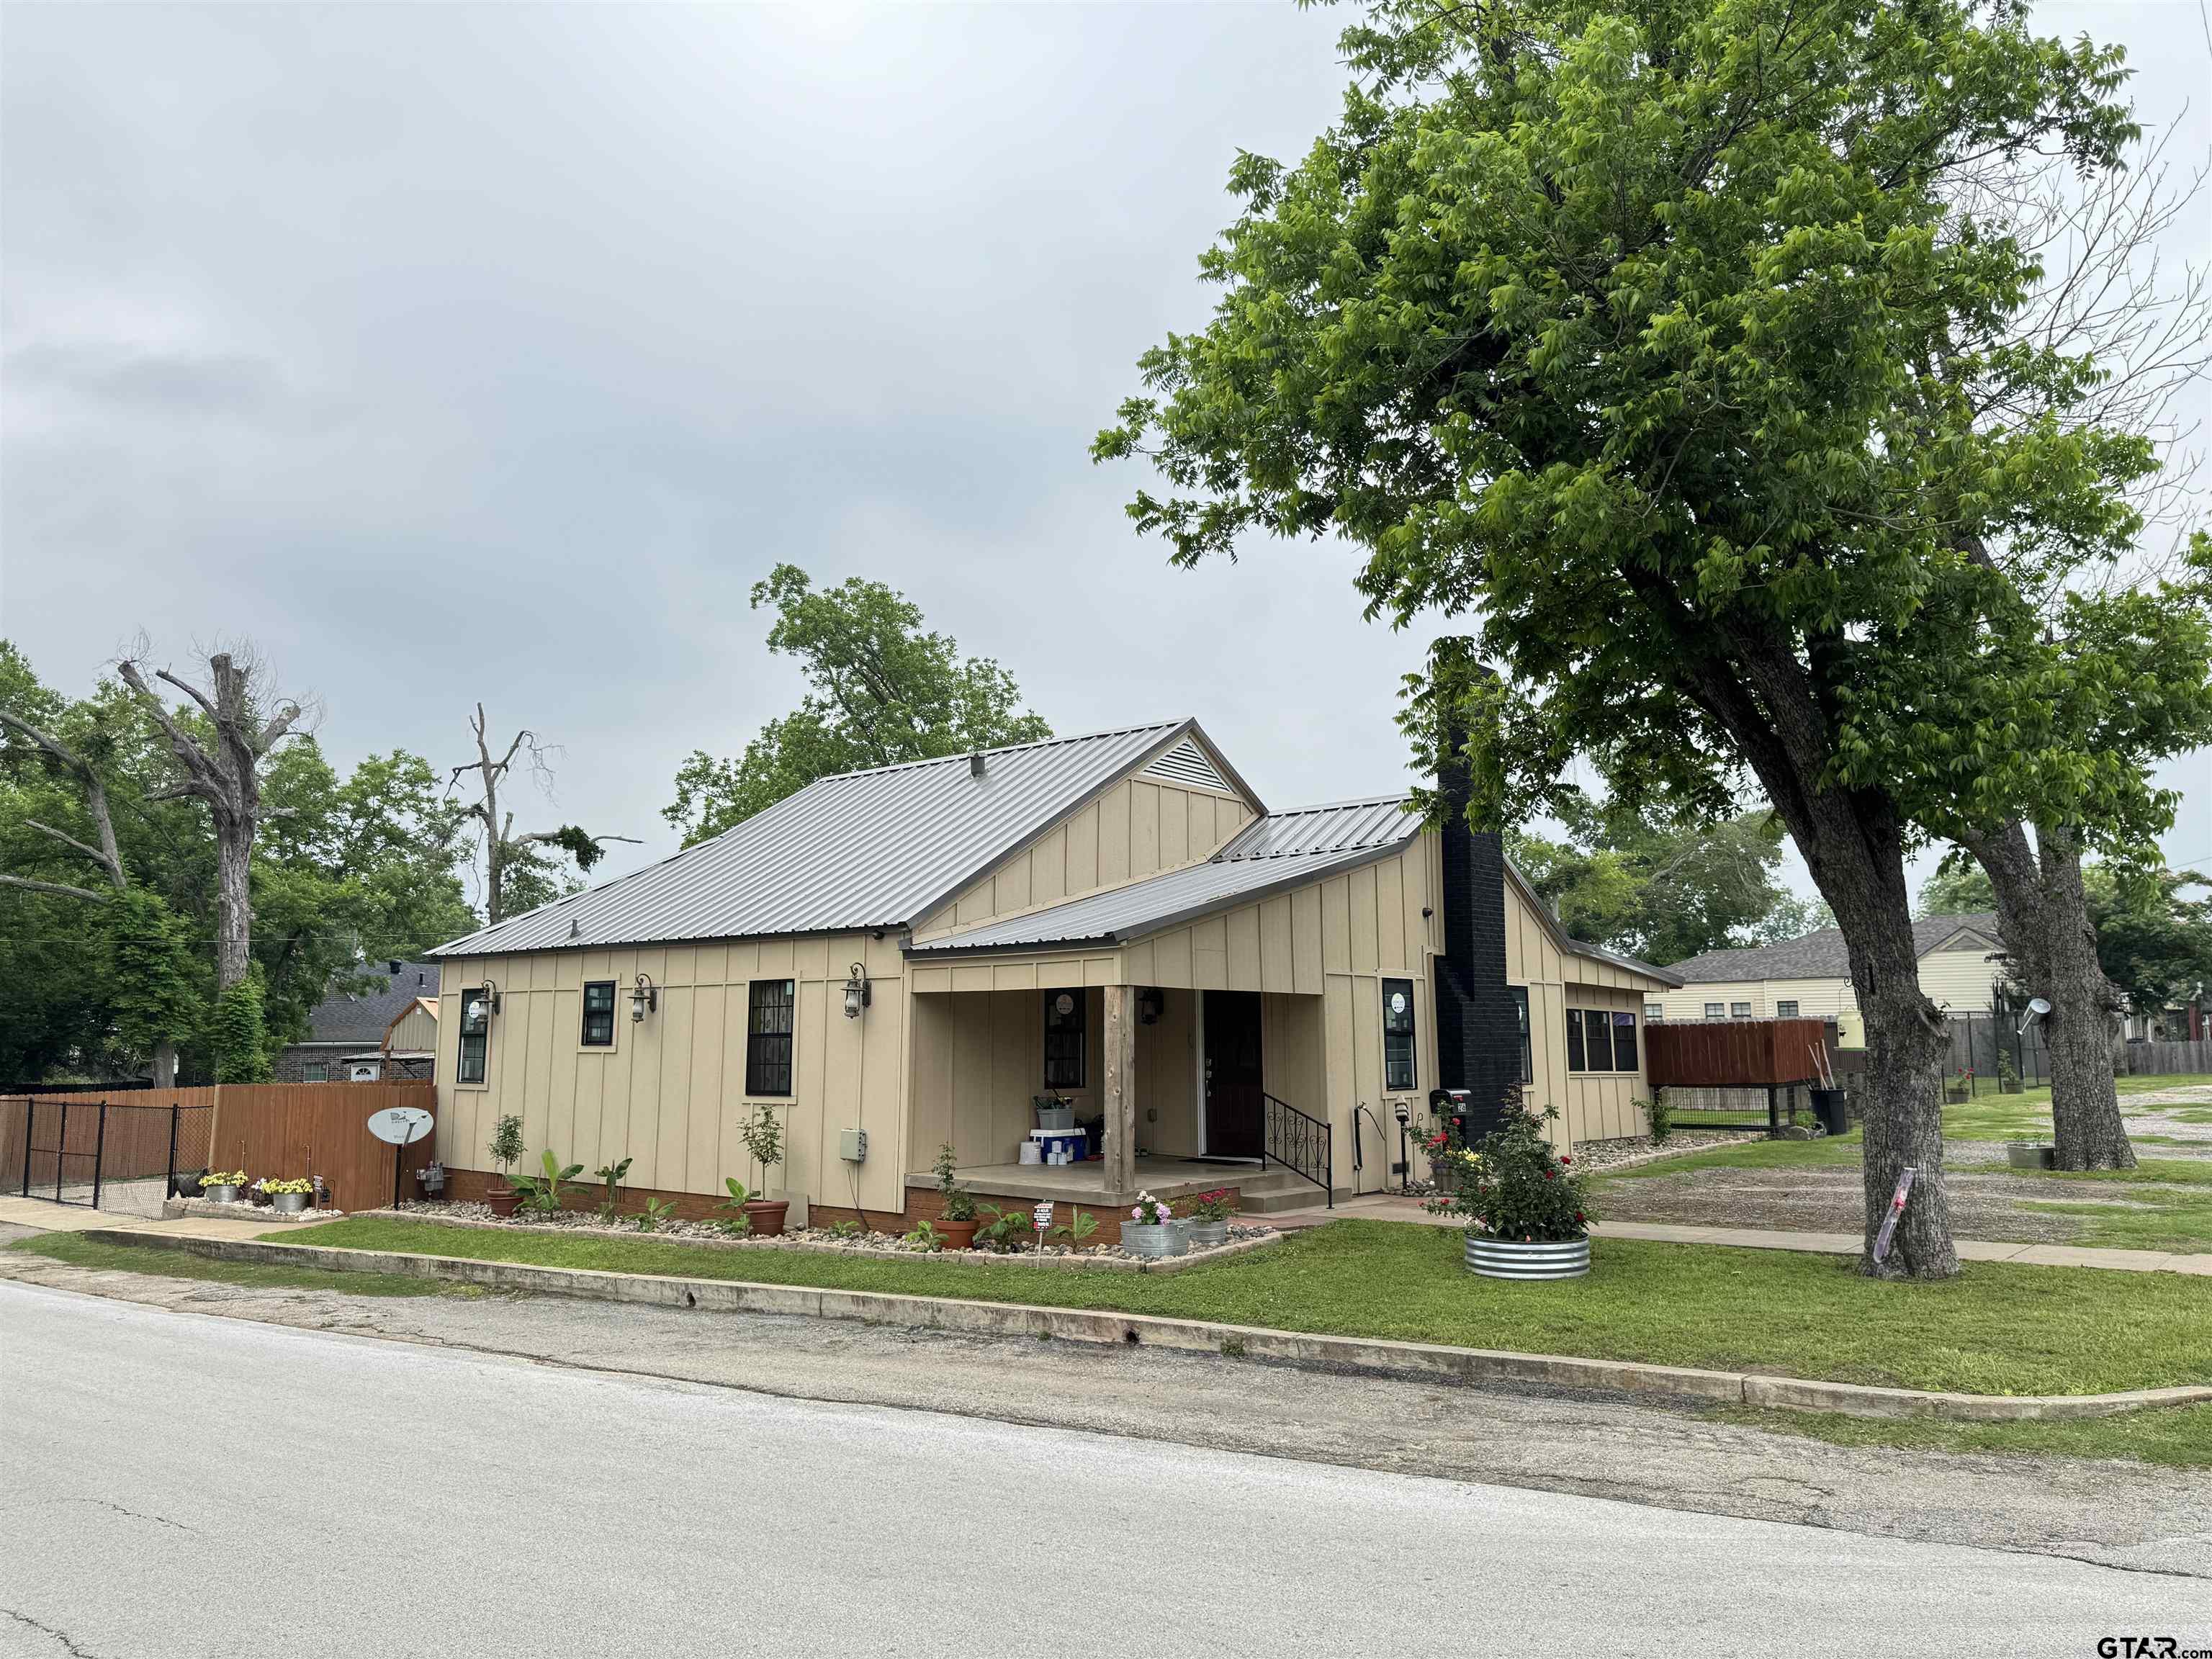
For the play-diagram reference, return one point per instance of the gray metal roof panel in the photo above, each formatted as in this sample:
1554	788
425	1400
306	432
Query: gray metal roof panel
1286	849
861	849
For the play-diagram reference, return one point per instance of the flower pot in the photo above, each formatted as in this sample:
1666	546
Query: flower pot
2009	1085
226	1193
503	1200
765	1217
957	1235
1158	1240
288	1203
2030	1155
1512	1258
1956	1094
1208	1234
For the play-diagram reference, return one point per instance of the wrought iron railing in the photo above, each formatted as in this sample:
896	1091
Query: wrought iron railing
1305	1145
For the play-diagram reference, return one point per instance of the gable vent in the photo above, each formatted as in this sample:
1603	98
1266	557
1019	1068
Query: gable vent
1187	763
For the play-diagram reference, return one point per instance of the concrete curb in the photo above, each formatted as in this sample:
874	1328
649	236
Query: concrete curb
1426	1361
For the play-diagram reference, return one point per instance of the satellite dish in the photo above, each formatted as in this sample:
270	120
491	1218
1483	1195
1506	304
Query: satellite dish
2037	1005
401	1125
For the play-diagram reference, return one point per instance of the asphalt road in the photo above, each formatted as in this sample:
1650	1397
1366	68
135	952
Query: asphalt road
173	1485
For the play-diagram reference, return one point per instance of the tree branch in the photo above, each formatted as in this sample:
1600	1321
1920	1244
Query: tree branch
65	890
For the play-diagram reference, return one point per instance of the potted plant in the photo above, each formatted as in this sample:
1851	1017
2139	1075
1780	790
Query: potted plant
2030	1155
763	1133
223	1185
1151	1230
2008	1075
956	1225
506	1151
1209	1218
1962	1086
1527	1214
286	1197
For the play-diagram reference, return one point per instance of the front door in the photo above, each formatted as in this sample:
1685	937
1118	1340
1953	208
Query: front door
1231	1070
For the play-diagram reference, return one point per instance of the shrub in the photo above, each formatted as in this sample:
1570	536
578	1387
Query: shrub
763	1133
1216	1206
505	1146
238	1034
959	1202
1511	1185
1663	1117
543	1192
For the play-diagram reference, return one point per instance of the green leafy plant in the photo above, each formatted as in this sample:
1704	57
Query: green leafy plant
543	1192
763	1133
959	1202
1217	1206
924	1237
740	1195
1511	1185
506	1147
609	1176
844	1230
1081	1224
1662	1111
1007	1231
656	1211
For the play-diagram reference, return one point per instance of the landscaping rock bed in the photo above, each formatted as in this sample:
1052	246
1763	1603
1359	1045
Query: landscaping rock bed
244	1210
1243	1237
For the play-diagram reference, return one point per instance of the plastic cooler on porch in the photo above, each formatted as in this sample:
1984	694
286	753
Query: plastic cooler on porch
1073	1142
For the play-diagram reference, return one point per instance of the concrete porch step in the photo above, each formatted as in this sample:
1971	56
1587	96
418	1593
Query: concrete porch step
1279	1189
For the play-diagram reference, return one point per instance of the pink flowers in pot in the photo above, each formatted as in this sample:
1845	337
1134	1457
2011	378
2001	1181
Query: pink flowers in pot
1151	1212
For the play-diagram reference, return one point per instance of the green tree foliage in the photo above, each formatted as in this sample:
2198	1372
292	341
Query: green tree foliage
154	983
1957	889
880	690
1660	339
2154	940
238	1035
1659	890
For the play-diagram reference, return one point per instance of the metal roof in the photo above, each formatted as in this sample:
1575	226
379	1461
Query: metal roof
878	848
1284	850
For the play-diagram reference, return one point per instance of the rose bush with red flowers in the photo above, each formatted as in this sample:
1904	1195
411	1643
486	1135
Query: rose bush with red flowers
1510	1184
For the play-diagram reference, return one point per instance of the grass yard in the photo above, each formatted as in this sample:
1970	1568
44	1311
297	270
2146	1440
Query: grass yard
2180	1436
80	1252
1996	1329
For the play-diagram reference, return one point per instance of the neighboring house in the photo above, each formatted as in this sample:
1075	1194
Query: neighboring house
1811	977
359	1037
916	953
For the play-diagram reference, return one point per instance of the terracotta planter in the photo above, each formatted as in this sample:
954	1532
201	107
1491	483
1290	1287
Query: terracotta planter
765	1216
503	1200
958	1235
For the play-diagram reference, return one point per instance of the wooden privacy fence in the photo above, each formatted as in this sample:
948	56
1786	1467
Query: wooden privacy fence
1737	1053
2162	1058
281	1130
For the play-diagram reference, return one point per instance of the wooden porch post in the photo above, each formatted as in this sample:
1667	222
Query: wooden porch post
1119	1096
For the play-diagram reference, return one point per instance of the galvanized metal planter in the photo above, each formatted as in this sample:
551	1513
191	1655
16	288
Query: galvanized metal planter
1207	1234
1509	1258
226	1193
288	1203
2030	1155
1158	1240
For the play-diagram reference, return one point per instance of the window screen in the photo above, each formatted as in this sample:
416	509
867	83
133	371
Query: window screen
767	1037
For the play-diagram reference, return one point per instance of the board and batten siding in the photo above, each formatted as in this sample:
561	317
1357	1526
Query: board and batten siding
669	1094
1139	827
1592	1105
415	1032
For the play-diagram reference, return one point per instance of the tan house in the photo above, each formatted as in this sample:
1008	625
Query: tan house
1810	977
1112	926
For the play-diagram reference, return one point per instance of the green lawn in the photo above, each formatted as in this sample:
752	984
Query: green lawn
1996	1329
82	1252
2180	1436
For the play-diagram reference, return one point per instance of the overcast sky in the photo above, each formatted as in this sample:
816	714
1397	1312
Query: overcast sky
494	352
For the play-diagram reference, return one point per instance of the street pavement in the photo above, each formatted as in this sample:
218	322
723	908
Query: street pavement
173	1485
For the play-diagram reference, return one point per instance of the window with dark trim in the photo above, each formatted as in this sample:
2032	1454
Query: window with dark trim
1785	1009
1063	1039
476	1035
1527	1048
1624	1040
1739	1010
1398	1059
599	1013
1597	1040
1717	1010
767	1037
315	1071
1575	1040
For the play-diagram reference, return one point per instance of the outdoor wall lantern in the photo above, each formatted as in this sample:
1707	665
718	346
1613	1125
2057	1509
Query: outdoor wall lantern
643	997
858	992
1150	1003
491	996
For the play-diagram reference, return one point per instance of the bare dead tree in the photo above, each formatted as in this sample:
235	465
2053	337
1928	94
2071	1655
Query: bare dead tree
497	824
225	773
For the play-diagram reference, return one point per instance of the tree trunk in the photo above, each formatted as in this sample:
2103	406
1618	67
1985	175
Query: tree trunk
2044	915
234	944
165	1064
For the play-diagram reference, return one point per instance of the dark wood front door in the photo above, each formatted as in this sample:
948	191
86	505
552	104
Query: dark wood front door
1232	1074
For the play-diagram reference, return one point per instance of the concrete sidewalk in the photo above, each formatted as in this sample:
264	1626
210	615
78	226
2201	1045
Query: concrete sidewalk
40	1215
1380	1206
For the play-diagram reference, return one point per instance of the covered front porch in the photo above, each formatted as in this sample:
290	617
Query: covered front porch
1179	1090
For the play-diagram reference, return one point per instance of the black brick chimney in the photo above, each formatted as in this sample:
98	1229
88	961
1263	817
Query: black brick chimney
1478	1022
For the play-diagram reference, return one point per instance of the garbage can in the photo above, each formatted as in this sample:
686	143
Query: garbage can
1832	1106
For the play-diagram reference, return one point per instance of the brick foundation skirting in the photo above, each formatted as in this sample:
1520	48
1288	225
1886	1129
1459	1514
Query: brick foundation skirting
923	1203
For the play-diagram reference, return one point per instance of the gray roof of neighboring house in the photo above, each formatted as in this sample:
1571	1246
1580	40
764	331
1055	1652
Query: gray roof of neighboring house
339	1017
1822	955
1283	850
878	848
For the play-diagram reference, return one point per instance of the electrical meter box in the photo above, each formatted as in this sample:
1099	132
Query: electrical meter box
853	1145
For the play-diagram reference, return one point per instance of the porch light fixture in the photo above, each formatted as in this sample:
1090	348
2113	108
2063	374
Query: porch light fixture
858	992
1150	1003
644	997
491	996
